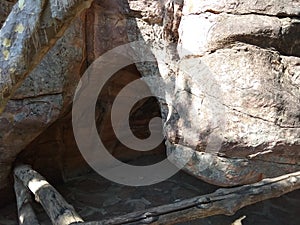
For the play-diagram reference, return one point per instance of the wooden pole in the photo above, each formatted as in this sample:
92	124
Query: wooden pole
58	210
223	201
26	214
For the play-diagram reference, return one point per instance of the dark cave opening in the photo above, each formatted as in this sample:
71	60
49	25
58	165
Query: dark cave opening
55	153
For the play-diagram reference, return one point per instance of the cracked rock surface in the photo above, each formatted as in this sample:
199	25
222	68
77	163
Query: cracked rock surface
233	69
42	98
243	103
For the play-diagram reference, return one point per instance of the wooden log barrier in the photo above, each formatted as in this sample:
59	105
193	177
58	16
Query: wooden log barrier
58	210
223	201
26	215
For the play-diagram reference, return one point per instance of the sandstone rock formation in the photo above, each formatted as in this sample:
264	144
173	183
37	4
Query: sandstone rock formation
234	68
241	122
42	98
46	95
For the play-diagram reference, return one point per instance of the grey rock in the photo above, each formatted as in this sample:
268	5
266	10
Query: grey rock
42	98
232	69
265	7
242	103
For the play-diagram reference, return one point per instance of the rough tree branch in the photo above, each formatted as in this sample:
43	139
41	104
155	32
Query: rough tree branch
26	213
223	201
58	210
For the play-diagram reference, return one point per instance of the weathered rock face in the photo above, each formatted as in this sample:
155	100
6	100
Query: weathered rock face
55	153
42	98
237	114
241	122
46	95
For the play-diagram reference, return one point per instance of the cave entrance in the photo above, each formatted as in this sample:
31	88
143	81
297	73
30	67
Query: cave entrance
55	153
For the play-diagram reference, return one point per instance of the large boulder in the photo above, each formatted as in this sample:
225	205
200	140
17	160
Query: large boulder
240	120
45	95
233	74
55	153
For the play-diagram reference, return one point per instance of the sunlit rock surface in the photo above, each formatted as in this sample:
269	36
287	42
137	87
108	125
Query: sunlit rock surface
235	68
232	102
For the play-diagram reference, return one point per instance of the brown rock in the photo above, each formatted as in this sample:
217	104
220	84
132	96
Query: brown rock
247	102
45	94
55	153
246	106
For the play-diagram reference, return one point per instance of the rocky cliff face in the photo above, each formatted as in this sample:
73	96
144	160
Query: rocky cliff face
43	97
241	122
36	126
239	111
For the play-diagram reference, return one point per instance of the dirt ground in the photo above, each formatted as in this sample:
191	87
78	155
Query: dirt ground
96	198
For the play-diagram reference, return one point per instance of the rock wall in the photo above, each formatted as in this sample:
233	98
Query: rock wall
43	97
55	153
240	120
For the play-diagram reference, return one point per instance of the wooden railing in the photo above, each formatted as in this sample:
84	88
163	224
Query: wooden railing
223	201
58	210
